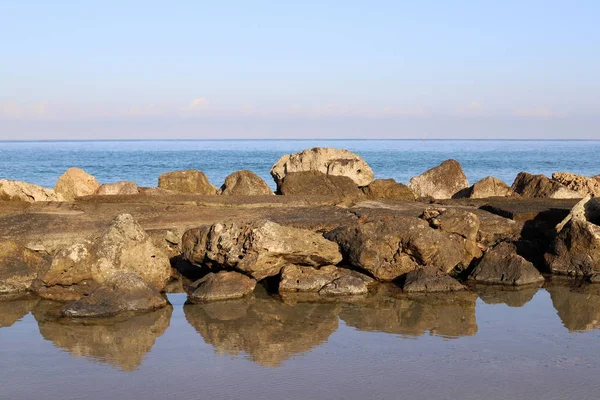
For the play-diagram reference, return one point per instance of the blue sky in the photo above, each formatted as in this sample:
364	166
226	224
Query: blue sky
219	69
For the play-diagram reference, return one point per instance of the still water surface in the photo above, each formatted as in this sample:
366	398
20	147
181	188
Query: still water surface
532	343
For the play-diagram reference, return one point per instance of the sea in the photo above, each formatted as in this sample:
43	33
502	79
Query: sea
496	344
42	162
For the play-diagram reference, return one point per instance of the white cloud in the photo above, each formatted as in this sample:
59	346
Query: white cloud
199	103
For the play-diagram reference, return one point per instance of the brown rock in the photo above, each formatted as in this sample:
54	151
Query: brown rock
23	191
503	266
245	183
430	279
388	189
314	183
441	182
528	185
463	223
328	161
124	291
327	280
188	181
581	184
224	285
75	182
258	248
118	188
19	267
490	187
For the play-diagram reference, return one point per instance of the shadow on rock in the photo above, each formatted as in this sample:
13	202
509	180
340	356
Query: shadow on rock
121	341
577	305
389	310
509	295
14	308
262	327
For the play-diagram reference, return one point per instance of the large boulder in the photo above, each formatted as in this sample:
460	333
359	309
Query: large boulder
326	160
576	248
258	248
581	184
118	188
314	183
188	181
430	279
121	292
388	189
23	191
75	182
224	285
390	247
19	267
327	280
528	185
441	182
503	266
490	187
245	183
460	222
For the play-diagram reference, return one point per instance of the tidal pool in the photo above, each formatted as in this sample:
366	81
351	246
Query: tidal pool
488	344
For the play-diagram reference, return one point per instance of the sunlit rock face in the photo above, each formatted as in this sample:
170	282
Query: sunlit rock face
122	341
13	308
389	310
265	329
577	306
511	296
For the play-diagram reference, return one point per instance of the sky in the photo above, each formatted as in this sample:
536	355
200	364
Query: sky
187	69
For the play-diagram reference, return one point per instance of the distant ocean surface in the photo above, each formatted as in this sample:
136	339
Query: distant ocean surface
143	161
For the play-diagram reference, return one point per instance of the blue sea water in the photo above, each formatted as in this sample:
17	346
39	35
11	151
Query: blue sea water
143	161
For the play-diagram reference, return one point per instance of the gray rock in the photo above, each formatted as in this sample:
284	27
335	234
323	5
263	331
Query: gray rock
503	266
327	280
441	182
430	279
224	285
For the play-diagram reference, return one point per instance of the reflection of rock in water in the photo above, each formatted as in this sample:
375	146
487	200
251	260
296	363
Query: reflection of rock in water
389	310
120	341
14	308
578	307
264	328
511	296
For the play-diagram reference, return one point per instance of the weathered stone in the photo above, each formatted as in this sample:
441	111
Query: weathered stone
391	247
490	187
314	183
327	161
463	223
441	182
388	189
258	248
245	183
19	267
125	246
581	184
587	209
327	280
528	185
75	182
494	228
576	250
23	191
503	266
118	188
188	181
430	279
121	292
224	285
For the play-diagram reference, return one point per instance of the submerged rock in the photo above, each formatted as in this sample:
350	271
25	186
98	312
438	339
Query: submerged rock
23	191
122	292
258	248
388	189
245	183
532	186
187	181
327	161
19	267
117	188
224	285
490	187
314	183
430	279
503	266
75	182
441	182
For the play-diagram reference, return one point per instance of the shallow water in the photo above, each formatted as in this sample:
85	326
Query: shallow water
532	343
143	161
